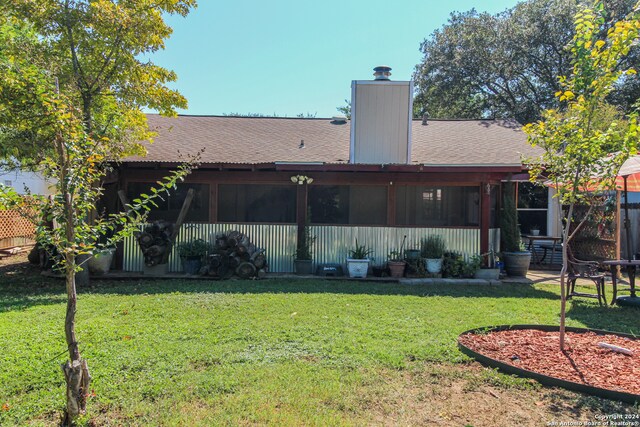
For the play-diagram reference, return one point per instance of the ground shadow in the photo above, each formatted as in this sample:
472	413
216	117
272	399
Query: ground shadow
609	318
28	288
584	403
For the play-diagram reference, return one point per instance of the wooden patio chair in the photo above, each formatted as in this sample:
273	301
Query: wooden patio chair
579	269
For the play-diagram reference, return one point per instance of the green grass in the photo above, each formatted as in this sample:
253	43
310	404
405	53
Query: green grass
252	352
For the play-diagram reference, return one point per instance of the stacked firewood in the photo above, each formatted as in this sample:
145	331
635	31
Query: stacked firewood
156	241
233	253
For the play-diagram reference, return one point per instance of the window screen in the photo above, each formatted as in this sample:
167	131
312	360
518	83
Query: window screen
257	203
438	206
348	204
169	208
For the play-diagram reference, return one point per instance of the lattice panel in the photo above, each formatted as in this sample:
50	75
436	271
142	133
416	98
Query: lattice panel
12	224
596	240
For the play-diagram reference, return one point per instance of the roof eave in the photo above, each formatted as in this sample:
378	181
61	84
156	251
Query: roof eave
337	167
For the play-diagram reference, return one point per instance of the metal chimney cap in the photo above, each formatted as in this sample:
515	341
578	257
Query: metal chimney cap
382	72
339	120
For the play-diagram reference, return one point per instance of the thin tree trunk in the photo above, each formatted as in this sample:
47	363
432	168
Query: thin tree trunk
566	237
76	371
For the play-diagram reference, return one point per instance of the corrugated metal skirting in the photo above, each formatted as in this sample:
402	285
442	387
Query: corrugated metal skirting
278	240
332	244
494	239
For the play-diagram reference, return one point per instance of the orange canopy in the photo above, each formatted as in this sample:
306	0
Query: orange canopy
631	170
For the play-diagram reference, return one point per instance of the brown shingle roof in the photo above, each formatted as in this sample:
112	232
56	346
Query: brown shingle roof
254	140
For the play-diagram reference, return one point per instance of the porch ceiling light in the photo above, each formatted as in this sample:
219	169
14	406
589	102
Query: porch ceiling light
301	179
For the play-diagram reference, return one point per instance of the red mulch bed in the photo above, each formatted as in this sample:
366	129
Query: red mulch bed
582	362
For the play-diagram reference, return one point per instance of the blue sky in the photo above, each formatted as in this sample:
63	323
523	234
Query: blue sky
290	57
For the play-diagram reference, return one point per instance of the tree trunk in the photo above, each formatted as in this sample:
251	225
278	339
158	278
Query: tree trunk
563	273
76	371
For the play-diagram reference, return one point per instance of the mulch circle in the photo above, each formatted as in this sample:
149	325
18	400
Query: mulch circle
582	362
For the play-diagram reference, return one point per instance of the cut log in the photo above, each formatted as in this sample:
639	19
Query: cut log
234	262
145	239
246	270
233	253
260	261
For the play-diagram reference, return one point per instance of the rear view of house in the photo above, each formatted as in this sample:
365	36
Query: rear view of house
376	178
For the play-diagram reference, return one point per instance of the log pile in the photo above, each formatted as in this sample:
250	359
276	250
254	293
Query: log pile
156	241
233	253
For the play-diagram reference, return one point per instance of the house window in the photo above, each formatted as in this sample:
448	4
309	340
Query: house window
169	208
532	205
437	206
256	203
348	204
8	182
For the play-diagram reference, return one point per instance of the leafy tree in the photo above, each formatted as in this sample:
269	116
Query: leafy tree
96	49
583	144
345	109
505	65
71	92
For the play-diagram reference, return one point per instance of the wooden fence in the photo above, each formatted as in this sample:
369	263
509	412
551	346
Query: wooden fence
15	230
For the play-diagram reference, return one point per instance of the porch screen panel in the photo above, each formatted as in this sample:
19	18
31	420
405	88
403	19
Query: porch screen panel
438	206
169	208
348	204
256	203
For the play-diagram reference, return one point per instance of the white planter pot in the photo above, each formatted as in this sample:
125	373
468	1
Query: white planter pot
100	263
488	274
433	265
357	267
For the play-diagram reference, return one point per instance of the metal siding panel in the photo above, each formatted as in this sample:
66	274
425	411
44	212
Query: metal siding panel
381	123
494	239
278	240
333	242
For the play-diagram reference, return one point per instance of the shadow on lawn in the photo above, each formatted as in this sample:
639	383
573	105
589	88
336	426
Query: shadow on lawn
317	286
27	288
583	403
611	318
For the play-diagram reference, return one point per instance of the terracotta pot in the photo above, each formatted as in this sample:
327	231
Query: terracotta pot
396	268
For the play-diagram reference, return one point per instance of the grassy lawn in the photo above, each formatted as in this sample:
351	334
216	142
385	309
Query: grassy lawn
281	353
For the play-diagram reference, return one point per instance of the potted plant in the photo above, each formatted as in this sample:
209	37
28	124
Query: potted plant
358	260
489	269
516	259
535	230
411	255
100	262
191	254
432	250
303	256
396	264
